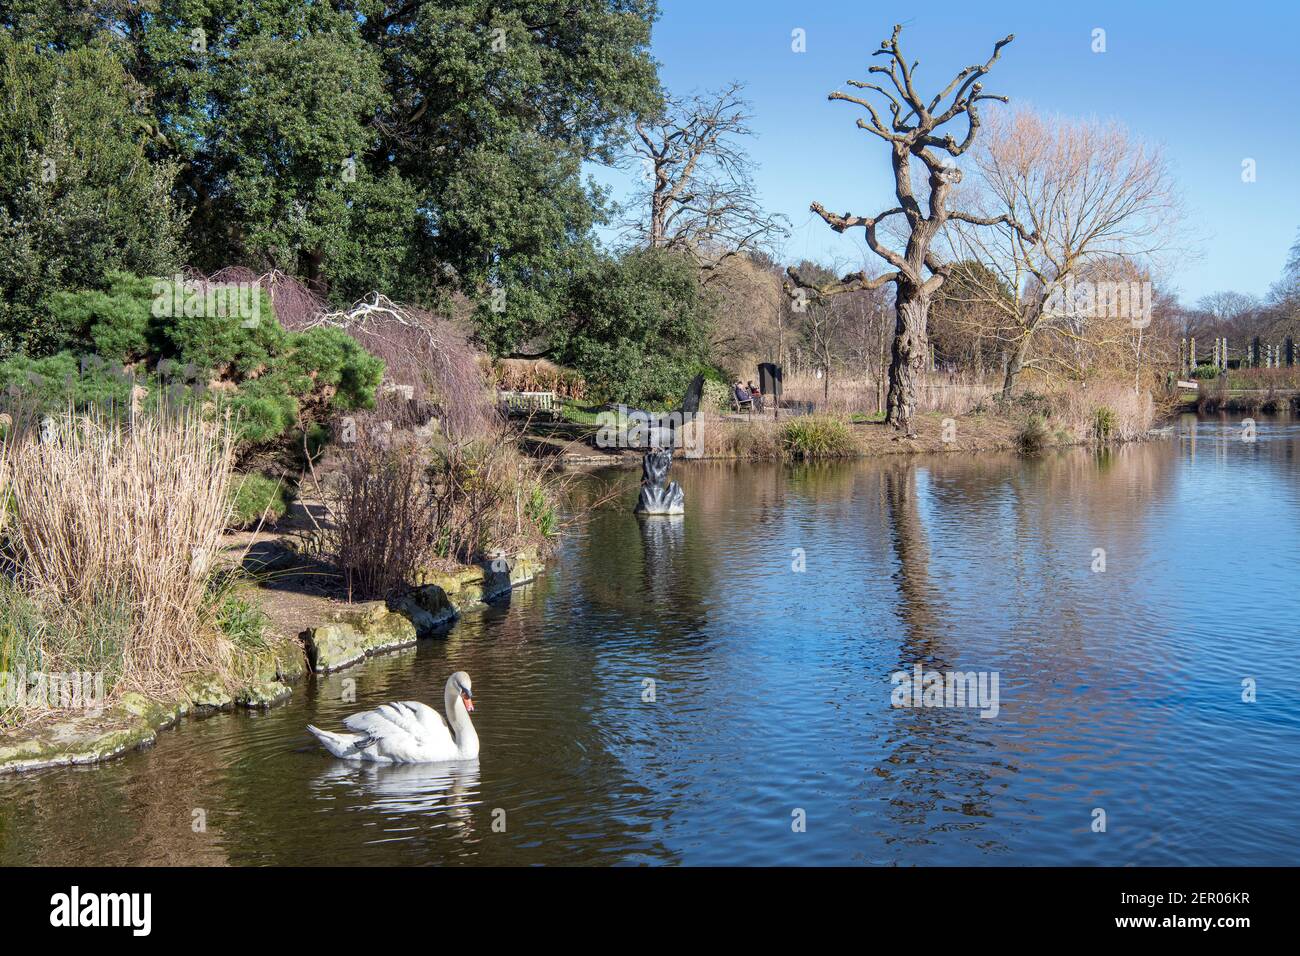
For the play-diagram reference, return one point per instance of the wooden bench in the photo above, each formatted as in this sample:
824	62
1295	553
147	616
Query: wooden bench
737	405
527	403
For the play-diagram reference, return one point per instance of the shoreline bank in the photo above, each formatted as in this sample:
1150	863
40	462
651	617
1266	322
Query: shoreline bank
935	434
132	721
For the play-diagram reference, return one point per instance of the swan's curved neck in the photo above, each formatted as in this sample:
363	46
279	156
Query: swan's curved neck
462	728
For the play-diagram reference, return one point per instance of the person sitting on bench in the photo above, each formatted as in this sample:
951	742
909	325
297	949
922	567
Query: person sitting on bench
756	397
741	396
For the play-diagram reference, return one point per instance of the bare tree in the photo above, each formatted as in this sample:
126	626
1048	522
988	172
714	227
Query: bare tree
1227	306
1091	193
747	313
1233	314
699	195
914	131
821	324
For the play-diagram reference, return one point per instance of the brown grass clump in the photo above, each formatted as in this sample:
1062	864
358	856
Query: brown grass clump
384	514
1101	410
122	522
957	393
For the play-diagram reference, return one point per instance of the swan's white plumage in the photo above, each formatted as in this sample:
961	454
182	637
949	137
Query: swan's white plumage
408	731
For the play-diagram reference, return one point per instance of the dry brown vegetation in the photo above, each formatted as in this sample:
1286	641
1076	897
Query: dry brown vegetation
400	502
112	533
428	359
537	375
1103	205
976	421
956	393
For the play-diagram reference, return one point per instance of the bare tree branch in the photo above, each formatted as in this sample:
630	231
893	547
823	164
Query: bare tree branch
699	196
915	132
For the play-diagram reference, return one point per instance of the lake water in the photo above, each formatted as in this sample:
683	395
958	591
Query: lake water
1119	691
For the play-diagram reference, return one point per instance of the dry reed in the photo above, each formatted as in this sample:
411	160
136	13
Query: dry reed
129	516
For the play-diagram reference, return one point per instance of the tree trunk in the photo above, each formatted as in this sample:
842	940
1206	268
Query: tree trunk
1014	365
909	355
880	365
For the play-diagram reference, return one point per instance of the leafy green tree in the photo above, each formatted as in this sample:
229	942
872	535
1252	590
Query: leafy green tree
638	328
505	101
411	148
79	194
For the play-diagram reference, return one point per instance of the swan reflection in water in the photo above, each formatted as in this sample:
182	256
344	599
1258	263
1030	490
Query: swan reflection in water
447	790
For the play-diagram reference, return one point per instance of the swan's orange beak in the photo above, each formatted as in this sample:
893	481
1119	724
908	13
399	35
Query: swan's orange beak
469	701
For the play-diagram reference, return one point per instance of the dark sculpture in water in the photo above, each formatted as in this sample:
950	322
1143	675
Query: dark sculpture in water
656	497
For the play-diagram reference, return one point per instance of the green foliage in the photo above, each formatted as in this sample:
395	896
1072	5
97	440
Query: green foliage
1105	423
716	396
89	637
1205	371
132	333
256	498
238	618
415	148
53	382
540	512
80	192
816	437
1033	435
113	322
637	330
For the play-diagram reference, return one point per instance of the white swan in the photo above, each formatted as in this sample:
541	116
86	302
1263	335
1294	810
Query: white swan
408	731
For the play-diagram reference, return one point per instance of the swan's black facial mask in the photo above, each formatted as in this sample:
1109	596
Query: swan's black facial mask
467	697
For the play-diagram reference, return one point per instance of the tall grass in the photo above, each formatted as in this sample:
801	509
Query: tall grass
817	437
120	522
1127	413
384	515
5	493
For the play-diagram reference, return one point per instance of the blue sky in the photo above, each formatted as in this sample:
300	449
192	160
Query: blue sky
1215	83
